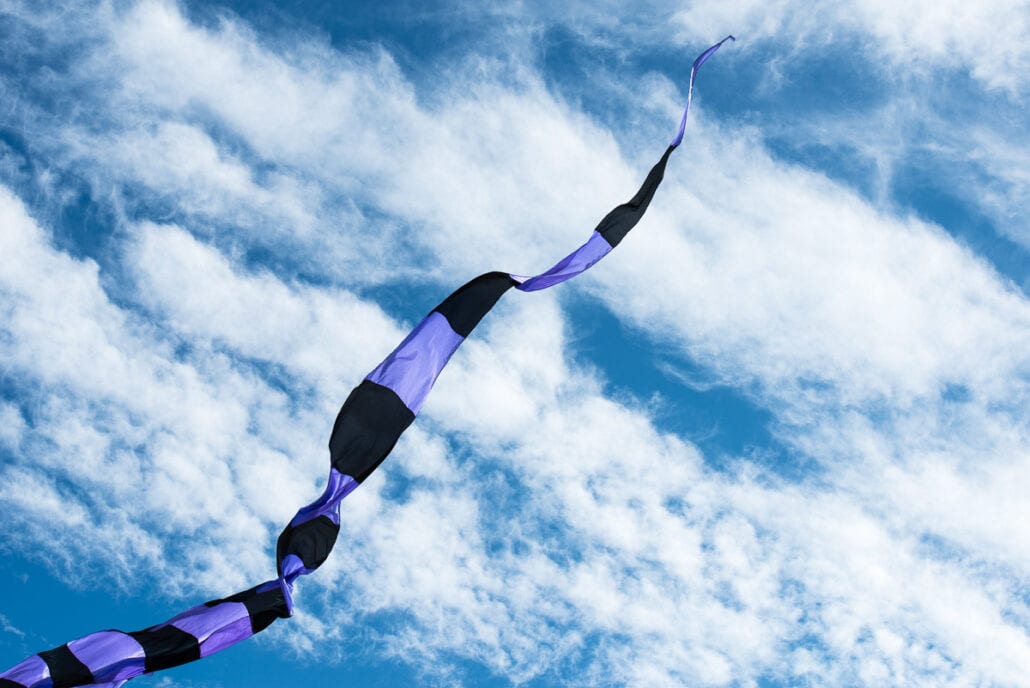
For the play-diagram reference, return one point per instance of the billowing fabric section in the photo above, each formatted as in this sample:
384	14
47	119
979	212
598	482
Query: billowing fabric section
65	668
31	671
109	658
369	424
94	650
413	367
616	224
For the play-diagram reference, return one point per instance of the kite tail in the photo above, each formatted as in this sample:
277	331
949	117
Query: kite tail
368	426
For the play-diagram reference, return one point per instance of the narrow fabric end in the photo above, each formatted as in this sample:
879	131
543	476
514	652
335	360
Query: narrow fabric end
700	60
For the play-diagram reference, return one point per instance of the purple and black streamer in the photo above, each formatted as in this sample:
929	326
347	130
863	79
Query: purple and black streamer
368	426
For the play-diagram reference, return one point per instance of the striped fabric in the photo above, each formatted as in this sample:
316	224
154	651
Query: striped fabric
368	426
110	658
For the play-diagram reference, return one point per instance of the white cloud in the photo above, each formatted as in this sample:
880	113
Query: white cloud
142	437
1004	159
12	425
182	162
314	332
987	38
7	627
807	283
611	479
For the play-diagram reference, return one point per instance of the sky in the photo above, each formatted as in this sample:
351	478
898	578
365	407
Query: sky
779	437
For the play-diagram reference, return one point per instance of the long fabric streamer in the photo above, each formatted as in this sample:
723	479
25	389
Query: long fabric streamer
368	426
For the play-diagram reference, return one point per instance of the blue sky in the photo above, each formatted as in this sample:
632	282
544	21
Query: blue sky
779	438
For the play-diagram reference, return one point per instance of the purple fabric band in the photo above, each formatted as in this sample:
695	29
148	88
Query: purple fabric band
328	504
690	88
230	634
576	262
213	626
31	671
111	656
413	367
293	567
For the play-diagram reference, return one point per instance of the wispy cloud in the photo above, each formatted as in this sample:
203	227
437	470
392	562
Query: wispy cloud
988	39
7	627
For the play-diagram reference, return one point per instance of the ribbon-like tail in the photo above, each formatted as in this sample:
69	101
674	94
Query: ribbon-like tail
368	426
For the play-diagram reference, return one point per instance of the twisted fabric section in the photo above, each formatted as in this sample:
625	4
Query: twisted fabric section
690	88
367	427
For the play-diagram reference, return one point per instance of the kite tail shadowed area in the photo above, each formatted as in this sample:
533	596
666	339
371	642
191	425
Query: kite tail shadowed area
368	426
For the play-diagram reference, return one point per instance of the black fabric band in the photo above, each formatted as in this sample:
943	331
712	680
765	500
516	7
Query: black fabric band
470	302
368	425
65	668
166	646
262	607
312	541
616	224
